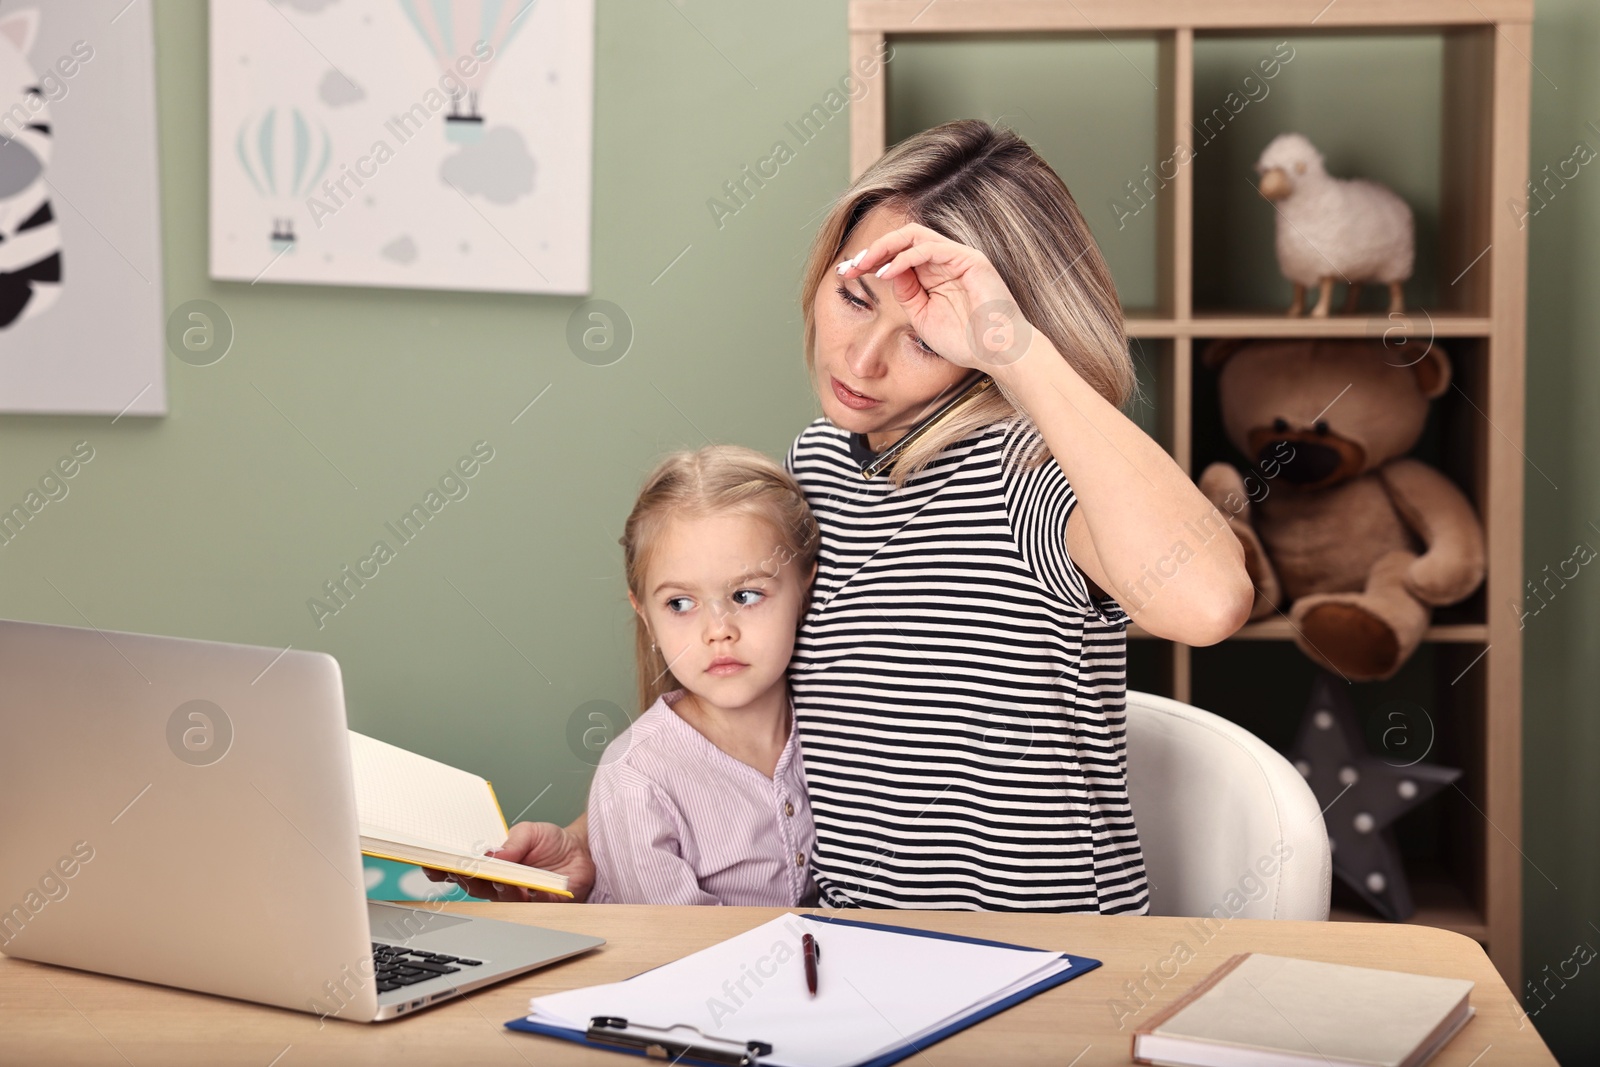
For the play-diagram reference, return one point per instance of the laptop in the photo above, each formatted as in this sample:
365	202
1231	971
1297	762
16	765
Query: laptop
183	812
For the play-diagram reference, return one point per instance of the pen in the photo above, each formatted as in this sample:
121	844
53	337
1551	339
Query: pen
813	953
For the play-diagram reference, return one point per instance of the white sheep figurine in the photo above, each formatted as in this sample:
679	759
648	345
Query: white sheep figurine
1348	229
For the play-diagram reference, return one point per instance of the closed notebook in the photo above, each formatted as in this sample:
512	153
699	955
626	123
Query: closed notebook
418	810
1278	1011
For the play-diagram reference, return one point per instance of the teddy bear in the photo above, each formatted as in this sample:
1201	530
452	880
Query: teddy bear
1352	540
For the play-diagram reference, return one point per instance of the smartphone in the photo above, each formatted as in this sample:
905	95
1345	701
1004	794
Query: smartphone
975	385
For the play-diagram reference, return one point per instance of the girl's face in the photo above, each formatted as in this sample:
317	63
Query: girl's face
870	370
723	600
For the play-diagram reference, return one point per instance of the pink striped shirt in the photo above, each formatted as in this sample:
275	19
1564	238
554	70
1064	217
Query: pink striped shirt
673	819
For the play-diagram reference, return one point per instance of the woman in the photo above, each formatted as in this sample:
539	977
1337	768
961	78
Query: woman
959	678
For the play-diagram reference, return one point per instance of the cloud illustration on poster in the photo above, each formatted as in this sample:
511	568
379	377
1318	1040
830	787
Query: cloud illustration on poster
497	168
336	90
401	250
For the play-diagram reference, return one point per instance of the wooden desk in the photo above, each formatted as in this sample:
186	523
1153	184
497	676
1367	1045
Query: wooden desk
49	1015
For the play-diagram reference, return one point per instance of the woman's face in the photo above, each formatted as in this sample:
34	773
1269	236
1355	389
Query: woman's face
723	599
871	371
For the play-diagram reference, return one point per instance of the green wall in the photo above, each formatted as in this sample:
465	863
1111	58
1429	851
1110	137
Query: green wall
1561	691
488	640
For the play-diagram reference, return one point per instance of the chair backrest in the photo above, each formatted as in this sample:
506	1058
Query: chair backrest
1228	826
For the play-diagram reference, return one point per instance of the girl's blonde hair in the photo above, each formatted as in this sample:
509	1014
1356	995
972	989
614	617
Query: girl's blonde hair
985	187
713	480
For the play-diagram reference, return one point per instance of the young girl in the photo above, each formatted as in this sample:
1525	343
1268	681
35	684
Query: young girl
702	800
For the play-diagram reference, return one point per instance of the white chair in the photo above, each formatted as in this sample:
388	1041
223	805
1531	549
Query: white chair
1228	826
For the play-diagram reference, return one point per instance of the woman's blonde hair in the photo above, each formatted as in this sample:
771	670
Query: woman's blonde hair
713	480
986	188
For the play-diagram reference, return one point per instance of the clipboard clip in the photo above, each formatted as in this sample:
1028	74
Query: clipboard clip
657	1043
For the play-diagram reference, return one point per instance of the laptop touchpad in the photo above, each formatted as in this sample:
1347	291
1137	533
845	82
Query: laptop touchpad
401	924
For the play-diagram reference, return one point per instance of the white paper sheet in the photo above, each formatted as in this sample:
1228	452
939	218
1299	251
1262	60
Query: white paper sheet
876	990
406	797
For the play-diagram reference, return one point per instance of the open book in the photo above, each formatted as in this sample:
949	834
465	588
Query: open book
416	810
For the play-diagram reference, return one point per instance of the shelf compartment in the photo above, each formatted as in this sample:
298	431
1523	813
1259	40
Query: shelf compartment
1032	84
1439	900
1418	716
1454	441
1320	80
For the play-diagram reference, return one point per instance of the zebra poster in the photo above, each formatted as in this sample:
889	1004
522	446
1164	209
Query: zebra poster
80	237
438	144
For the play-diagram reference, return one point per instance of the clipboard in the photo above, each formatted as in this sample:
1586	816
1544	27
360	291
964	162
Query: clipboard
685	1044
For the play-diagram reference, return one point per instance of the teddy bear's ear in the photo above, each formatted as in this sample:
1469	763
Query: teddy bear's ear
1217	352
1427	362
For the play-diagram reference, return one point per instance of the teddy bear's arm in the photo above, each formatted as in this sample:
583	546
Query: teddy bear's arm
1442	516
1224	486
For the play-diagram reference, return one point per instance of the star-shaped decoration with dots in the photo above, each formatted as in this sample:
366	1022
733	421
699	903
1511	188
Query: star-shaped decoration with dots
1361	796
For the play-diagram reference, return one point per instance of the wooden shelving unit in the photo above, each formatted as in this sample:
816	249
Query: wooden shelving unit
1476	656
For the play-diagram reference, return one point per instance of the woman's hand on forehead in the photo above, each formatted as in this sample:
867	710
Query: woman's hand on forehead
956	300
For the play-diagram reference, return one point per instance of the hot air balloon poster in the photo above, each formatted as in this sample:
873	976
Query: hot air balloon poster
435	144
80	223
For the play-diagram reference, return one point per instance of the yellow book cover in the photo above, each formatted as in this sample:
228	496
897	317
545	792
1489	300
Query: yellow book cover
413	809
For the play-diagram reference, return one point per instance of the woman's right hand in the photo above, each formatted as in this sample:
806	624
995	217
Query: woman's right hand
536	844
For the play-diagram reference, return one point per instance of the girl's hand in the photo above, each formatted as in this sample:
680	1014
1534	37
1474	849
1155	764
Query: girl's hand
536	844
955	299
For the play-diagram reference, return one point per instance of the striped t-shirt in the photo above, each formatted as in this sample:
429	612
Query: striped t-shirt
960	697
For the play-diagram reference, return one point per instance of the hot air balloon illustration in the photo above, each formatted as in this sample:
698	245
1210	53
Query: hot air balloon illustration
451	29
284	153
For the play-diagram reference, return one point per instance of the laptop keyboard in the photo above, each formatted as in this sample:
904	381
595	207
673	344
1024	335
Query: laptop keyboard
398	966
